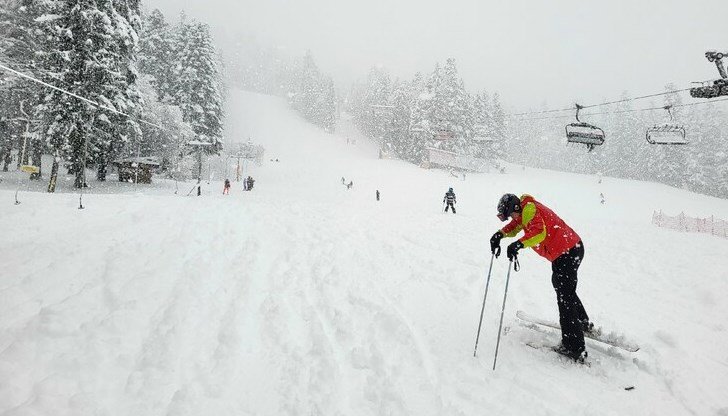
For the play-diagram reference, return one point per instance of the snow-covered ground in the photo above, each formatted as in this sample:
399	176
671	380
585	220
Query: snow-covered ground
305	298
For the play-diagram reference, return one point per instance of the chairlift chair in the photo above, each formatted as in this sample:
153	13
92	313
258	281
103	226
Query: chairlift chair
716	88
668	133
584	133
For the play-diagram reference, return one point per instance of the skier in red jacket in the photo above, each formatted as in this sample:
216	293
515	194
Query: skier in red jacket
551	238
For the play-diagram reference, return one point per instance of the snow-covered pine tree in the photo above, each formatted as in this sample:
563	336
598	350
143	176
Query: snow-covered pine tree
91	46
327	106
720	152
451	113
421	125
312	94
377	109
306	84
700	161
166	143
498	126
437	109
482	126
399	135
197	82
156	53
120	91
707	153
24	37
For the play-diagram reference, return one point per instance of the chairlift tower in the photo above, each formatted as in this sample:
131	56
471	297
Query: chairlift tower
715	88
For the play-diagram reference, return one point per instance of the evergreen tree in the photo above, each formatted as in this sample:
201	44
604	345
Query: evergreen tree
328	106
377	115
498	126
483	129
25	35
156	54
168	142
197	84
120	89
421	126
89	48
400	138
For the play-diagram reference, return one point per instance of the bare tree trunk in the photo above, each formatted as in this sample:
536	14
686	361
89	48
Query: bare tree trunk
78	170
78	162
102	170
54	174
6	158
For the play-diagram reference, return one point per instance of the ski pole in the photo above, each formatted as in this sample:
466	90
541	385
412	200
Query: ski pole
500	326
487	282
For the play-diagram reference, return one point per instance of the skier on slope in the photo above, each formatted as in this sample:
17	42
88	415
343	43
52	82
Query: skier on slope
450	199
226	188
553	239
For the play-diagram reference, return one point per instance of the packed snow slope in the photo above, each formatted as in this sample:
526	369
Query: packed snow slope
305	298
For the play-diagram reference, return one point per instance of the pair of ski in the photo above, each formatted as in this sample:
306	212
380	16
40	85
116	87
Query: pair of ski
610	339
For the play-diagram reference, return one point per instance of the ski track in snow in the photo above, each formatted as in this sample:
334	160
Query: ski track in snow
303	297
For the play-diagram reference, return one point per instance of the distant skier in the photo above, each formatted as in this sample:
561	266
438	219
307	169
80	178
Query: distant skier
450	201
226	189
601	195
350	185
343	181
377	194
551	238
249	182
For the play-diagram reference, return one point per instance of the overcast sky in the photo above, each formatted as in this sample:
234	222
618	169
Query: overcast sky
530	51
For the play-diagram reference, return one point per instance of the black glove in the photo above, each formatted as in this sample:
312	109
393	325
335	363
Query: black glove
512	251
495	243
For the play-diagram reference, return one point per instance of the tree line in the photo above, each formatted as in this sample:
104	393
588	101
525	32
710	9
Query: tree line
407	116
158	85
436	111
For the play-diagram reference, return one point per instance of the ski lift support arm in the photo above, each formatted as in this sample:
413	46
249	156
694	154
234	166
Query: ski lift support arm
578	108
717	57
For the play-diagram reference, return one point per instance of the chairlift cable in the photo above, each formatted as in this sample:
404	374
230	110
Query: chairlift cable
623	111
641	97
84	99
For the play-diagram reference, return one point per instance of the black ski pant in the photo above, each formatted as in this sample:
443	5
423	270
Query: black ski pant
571	312
450	205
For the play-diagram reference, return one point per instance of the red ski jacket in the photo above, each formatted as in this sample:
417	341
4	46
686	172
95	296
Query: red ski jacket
544	231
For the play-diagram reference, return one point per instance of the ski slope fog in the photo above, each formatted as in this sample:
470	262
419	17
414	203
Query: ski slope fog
305	298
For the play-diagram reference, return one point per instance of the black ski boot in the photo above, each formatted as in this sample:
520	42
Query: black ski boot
577	355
